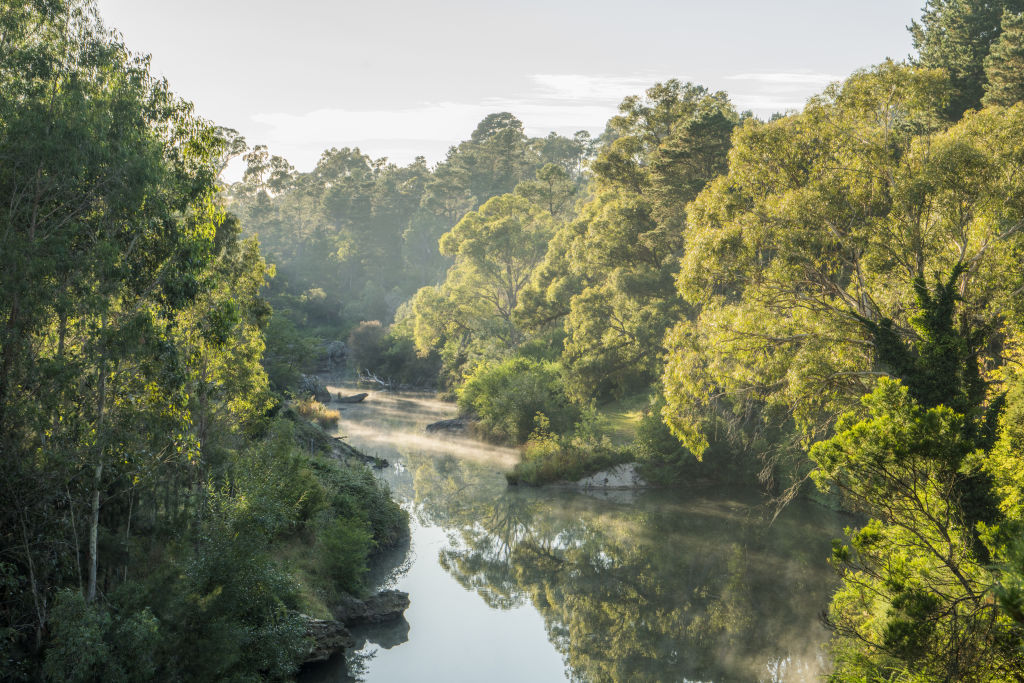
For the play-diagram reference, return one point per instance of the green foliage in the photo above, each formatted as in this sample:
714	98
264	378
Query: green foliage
826	225
1004	64
471	315
289	353
89	643
958	35
144	487
356	236
608	274
551	457
365	345
508	396
915	595
345	546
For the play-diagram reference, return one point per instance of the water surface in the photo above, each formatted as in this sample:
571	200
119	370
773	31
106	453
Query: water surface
519	584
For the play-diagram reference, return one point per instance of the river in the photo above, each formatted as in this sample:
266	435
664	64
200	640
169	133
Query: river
521	584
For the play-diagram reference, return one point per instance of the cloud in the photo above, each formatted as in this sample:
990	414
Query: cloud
787	78
581	87
769	92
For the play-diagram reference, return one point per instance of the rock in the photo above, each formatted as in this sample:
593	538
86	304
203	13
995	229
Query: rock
354	398
458	424
625	476
384	606
329	636
345	450
311	385
336	351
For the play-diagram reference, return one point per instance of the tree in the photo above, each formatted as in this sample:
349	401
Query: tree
827	225
496	250
608	274
915	597
957	35
1004	64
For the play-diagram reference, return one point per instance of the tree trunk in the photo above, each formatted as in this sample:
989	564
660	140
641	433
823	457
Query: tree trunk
94	526
94	522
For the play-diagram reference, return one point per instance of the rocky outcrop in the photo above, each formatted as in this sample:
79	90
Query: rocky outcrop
354	398
328	637
311	385
625	476
384	606
345	450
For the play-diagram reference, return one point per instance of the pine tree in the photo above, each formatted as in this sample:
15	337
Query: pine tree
1004	66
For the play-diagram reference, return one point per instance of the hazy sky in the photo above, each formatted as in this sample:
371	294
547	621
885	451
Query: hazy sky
399	78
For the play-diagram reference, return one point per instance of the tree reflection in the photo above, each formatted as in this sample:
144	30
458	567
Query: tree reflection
663	589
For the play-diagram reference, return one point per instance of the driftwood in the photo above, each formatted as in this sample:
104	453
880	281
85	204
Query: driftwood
386	384
354	398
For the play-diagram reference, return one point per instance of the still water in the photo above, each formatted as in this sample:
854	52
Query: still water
518	584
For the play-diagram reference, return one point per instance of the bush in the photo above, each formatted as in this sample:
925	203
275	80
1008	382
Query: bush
507	396
344	546
550	458
89	642
312	409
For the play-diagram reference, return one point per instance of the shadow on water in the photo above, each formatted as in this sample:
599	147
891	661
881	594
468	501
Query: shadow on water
664	585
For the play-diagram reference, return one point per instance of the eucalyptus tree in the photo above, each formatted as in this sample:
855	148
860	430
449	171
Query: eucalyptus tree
609	272
108	223
495	251
805	261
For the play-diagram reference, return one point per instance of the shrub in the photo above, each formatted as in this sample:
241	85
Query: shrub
507	396
550	457
312	409
344	546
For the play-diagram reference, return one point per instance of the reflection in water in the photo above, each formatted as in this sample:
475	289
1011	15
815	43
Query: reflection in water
659	586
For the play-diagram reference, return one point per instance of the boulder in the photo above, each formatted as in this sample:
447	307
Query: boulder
311	385
384	606
354	398
625	476
328	636
458	424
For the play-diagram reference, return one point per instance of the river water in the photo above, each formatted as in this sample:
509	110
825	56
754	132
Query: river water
520	584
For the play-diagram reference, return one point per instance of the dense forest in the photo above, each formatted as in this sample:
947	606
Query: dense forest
828	303
164	515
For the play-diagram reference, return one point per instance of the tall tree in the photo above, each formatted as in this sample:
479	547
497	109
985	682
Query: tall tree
1004	65
957	35
825	226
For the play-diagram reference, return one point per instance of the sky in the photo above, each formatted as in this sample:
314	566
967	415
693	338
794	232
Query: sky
401	78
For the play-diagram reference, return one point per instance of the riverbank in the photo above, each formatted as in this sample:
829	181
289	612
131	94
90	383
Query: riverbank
524	583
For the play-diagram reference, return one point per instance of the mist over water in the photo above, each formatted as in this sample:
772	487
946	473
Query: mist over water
520	584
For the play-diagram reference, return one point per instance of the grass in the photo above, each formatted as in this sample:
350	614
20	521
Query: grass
620	419
317	412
